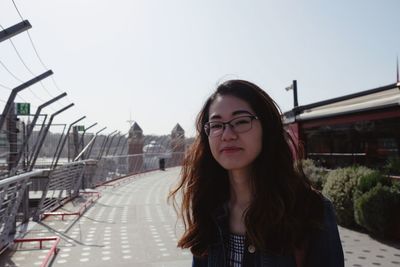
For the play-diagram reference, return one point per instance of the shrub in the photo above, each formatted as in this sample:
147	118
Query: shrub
375	209
369	181
365	184
340	187
393	166
316	175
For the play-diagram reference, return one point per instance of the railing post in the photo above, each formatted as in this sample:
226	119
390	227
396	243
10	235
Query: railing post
14	30
44	135
18	89
63	142
94	140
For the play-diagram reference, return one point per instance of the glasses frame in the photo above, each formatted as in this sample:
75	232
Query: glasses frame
224	124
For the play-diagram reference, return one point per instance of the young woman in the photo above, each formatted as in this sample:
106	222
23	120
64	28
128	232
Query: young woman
244	201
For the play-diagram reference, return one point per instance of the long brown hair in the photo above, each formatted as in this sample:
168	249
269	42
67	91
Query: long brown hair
284	209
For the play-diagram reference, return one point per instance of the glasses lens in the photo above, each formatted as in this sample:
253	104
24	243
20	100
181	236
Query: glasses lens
238	125
241	124
215	128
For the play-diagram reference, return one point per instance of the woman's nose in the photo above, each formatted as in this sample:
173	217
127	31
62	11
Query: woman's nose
228	133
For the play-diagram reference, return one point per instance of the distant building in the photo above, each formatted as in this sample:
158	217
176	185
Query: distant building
135	148
178	145
361	128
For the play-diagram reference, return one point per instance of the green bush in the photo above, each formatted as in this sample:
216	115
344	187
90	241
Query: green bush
316	175
369	181
365	184
340	187
376	209
393	166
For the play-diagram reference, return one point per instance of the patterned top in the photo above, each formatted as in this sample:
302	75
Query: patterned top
235	250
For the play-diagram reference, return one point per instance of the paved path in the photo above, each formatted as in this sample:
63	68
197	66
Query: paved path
361	250
132	225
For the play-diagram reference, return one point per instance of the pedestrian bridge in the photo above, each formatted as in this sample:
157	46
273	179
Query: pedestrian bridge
123	222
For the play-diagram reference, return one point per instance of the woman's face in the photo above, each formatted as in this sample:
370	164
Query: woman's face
232	150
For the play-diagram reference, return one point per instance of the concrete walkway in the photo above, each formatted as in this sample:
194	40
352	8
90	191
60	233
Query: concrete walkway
361	250
132	225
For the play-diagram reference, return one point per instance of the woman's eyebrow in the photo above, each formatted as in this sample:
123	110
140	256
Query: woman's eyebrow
236	112
215	117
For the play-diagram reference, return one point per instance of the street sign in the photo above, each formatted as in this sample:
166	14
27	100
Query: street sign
23	108
80	128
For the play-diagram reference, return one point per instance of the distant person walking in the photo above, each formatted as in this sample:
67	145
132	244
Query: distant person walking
244	200
161	163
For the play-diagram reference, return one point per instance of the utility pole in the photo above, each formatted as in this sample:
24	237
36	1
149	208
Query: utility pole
293	87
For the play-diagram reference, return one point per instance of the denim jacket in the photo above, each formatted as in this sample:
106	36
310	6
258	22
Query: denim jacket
324	247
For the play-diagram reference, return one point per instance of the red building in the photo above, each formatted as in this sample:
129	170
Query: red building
361	128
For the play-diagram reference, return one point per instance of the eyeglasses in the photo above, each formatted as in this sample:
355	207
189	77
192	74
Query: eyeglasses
240	124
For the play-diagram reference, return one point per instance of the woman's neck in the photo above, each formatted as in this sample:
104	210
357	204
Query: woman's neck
239	201
240	189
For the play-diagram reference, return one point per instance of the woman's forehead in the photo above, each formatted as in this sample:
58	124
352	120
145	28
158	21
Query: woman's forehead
226	106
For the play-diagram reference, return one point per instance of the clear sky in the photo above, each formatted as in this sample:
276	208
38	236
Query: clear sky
158	60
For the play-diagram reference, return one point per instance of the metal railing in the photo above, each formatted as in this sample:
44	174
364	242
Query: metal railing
114	167
53	188
63	184
12	191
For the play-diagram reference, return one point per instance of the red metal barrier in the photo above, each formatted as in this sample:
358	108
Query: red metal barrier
80	211
53	249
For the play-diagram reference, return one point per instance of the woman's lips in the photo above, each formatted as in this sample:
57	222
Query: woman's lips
230	149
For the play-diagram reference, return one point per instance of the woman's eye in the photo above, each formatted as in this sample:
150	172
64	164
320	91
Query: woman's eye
215	126
242	121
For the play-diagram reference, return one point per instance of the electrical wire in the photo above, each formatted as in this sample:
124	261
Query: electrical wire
5	87
56	85
19	13
38	56
12	74
36	52
26	66
45	67
21	59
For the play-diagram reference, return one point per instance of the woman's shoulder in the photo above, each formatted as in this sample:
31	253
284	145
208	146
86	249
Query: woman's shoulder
325	248
329	210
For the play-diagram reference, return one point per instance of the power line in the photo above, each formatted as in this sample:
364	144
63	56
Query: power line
56	85
5	87
26	66
30	90
19	13
12	74
38	56
36	52
20	57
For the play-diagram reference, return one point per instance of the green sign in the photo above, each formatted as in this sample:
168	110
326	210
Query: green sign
23	108
80	128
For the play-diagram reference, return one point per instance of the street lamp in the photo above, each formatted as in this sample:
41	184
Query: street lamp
293	87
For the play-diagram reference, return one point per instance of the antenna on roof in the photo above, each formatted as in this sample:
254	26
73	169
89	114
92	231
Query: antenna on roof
130	121
397	69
